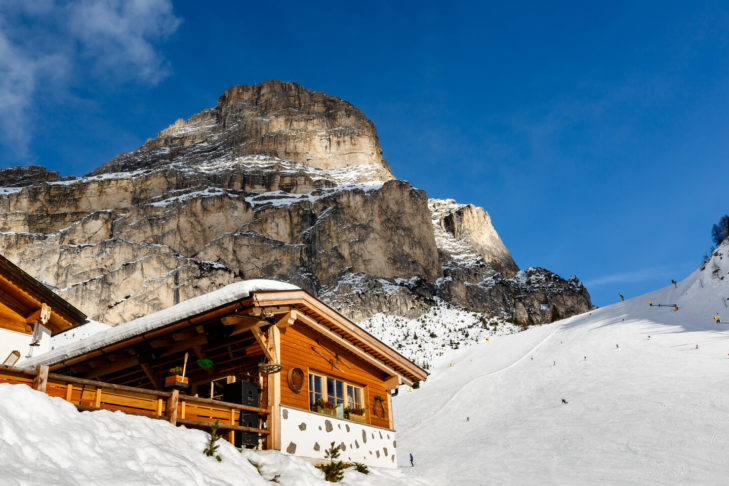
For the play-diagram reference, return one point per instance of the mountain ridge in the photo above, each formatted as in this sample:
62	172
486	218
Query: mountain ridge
276	181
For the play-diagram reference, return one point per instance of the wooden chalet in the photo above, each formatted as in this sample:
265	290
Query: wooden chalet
278	368
30	312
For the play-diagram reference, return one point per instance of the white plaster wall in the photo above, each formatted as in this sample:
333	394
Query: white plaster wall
11	340
309	434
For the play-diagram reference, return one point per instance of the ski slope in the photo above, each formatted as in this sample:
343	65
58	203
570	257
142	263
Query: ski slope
640	410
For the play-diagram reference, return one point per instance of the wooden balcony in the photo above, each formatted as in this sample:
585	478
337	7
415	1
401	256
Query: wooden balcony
178	409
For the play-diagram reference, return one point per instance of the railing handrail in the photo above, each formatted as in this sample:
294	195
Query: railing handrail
108	386
237	406
19	371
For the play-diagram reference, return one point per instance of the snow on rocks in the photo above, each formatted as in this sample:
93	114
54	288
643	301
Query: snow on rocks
460	252
442	329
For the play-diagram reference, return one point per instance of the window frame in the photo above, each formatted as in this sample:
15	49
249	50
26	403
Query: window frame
325	391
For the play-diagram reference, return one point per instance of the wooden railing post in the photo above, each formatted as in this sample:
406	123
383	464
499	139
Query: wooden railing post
172	406
231	434
40	382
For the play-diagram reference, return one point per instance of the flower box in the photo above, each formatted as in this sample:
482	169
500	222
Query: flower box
357	418
332	412
176	381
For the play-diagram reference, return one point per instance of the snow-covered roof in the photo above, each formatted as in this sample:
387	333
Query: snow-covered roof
181	311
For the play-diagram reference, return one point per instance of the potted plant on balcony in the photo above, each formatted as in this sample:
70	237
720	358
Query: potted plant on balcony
176	378
354	413
325	407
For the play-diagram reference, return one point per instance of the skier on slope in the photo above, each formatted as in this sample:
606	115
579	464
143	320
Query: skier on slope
622	299
412	464
717	319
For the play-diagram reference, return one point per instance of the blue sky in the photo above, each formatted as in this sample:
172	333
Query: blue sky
596	135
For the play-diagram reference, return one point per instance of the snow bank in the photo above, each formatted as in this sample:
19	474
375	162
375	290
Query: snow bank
45	440
229	293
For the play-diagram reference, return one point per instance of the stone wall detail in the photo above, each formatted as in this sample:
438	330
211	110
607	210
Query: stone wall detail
309	435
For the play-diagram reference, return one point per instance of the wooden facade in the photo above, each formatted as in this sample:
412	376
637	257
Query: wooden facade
264	337
22	298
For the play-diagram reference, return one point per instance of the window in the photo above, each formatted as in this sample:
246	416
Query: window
334	391
354	397
316	390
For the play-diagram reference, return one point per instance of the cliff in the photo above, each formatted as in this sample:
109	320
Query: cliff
276	181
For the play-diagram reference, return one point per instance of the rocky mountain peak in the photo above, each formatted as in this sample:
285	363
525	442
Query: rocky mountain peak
274	119
276	181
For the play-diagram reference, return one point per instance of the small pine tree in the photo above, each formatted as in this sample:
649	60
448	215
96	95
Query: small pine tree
361	468
212	449
720	231
334	470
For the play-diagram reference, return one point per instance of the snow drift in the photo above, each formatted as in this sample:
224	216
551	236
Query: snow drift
44	440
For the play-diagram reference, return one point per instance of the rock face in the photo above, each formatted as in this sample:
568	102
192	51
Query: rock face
276	182
272	119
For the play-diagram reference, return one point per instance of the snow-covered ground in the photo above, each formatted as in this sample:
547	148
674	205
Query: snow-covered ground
640	409
45	441
645	387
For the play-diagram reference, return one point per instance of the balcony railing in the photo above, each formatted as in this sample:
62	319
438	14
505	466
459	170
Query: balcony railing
178	409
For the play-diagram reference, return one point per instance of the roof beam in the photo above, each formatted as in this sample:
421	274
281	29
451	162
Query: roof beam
263	342
148	371
350	347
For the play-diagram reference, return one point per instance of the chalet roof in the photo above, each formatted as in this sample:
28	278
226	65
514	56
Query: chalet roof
263	293
183	310
24	294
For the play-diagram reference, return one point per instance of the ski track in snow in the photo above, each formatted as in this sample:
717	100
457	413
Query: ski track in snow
403	432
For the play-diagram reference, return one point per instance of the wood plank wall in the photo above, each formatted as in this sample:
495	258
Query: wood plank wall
296	352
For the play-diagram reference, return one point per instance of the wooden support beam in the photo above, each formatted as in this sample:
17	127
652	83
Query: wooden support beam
274	390
11	301
390	415
40	382
150	376
237	319
263	342
392	382
172	406
33	316
247	326
259	311
287	320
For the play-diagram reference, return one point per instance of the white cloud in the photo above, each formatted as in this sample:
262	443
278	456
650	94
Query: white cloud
43	44
120	35
644	275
